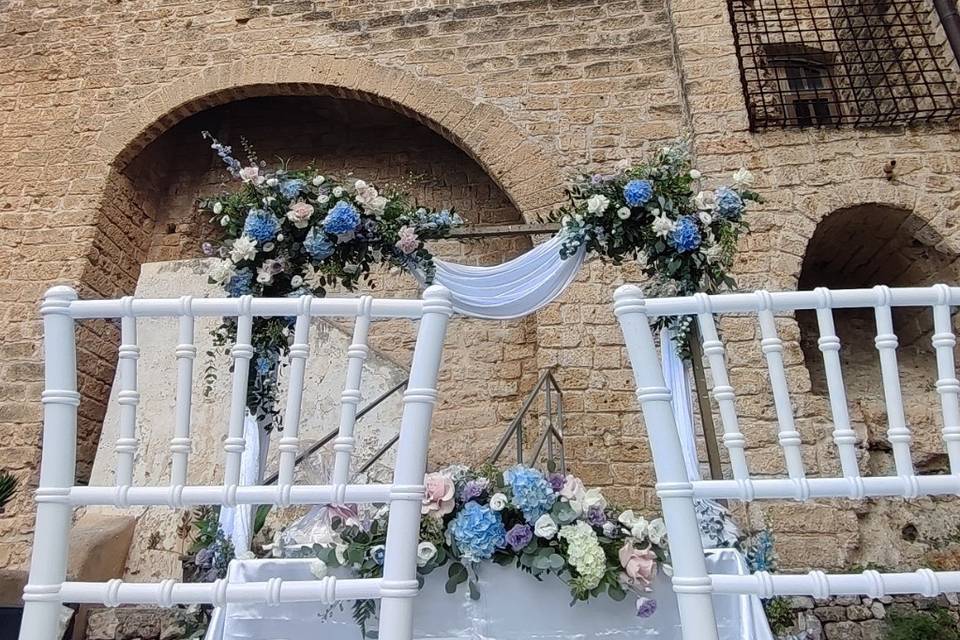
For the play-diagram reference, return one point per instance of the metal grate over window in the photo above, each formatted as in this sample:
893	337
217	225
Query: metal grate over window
818	63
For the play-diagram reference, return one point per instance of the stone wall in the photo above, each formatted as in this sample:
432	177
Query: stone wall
100	103
852	618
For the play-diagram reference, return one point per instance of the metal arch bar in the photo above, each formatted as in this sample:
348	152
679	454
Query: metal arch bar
330	435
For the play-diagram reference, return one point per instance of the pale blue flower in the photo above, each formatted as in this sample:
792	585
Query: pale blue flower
261	225
342	218
685	236
638	192
240	283
318	245
532	493
289	189
729	204
478	531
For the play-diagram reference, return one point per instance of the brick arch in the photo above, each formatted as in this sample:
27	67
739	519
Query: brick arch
521	168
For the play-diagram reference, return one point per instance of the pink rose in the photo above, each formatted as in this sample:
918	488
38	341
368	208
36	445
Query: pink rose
409	241
299	214
639	565
438	497
252	174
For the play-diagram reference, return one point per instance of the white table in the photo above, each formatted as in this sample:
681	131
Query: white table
513	606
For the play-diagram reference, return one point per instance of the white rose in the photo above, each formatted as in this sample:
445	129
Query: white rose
695	174
597	203
743	177
244	248
426	551
279	237
318	569
705	218
317	181
623	213
296	281
498	502
359	185
217	208
705	200
662	226
657	531
272	182
323	198
337	192
545	527
224	221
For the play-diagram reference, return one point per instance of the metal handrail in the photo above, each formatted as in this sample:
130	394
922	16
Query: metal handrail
553	432
330	435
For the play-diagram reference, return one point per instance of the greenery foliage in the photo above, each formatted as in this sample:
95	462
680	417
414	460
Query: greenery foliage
937	624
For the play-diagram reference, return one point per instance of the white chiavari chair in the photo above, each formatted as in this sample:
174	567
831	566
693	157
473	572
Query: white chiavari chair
57	495
677	492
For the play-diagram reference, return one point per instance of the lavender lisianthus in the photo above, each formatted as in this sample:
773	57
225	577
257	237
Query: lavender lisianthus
686	236
638	192
596	516
261	225
557	481
646	607
318	245
473	489
341	219
532	494
478	531
729	204
519	536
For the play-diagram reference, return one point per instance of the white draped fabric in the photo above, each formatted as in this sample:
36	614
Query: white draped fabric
237	522
513	606
512	289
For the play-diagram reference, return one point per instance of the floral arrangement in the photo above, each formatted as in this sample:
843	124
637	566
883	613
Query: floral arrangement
684	237
541	523
294	232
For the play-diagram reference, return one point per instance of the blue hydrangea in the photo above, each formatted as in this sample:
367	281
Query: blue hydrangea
638	192
240	283
342	218
261	225
478	531
318	245
729	204
289	189
686	236
532	492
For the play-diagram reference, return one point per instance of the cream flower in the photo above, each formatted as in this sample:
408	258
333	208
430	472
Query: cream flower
318	569
545	527
742	177
426	551
597	203
706	219
498	502
317	181
705	200
663	226
299	214
623	213
217	208
657	531
221	271
244	248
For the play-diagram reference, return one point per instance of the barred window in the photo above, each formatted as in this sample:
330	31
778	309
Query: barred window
818	63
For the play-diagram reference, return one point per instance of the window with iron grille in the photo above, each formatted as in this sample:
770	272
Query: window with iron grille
822	63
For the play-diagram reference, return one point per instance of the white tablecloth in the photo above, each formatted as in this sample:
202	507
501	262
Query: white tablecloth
513	606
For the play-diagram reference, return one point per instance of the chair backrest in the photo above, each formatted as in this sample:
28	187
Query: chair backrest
675	488
57	494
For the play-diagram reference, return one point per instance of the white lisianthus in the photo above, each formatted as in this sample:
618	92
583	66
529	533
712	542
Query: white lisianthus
318	569
657	531
264	277
597	203
217	208
221	271
498	502
742	177
593	498
272	182
695	174
337	192
244	248
627	518
663	226
224	221
545	527
296	281
705	200
317	181
623	213
640	528
323	198
572	488
426	551
705	218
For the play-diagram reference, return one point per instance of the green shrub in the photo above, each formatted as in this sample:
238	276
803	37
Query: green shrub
933	625
779	615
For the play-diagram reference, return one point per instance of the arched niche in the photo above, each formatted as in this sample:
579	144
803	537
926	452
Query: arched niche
149	214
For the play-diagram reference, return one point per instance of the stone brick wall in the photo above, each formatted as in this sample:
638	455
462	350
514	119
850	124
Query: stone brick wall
852	618
99	161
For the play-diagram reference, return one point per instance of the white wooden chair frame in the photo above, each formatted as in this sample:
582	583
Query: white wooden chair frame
57	494
676	491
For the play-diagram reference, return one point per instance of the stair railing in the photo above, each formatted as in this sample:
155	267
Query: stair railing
551	436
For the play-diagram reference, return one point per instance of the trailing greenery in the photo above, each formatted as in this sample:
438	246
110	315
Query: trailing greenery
779	614
936	624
